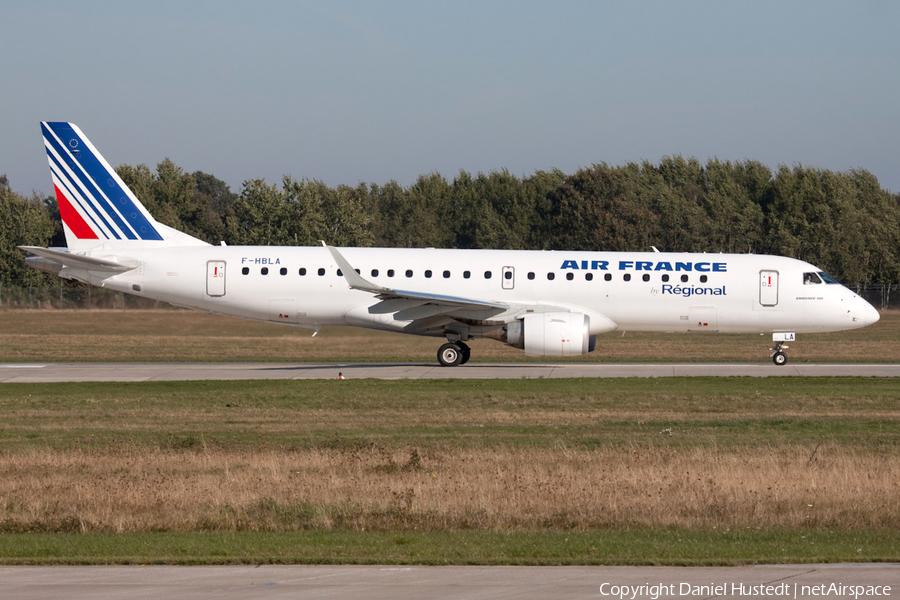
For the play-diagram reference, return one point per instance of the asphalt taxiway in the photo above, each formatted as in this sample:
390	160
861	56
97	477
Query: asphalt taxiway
143	371
408	582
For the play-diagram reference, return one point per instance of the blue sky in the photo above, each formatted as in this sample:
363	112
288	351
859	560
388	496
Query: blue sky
349	92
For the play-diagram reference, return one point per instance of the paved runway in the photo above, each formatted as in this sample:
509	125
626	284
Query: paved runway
408	582
48	372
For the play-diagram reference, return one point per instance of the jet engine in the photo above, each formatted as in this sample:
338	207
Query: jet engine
551	334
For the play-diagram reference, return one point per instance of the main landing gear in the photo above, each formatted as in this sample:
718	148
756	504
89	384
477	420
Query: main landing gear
452	354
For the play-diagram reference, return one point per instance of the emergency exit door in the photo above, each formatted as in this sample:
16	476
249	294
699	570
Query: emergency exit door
509	278
768	288
215	278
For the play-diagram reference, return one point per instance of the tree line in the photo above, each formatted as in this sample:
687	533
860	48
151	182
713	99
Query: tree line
843	222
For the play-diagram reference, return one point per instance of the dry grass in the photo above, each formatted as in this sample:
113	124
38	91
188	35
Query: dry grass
787	488
550	455
174	335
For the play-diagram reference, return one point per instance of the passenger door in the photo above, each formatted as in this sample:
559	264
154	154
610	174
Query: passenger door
768	288
215	278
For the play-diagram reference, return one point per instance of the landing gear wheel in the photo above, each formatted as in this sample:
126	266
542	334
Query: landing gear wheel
450	355
466	352
779	357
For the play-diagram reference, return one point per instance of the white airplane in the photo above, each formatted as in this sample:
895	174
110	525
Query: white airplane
548	303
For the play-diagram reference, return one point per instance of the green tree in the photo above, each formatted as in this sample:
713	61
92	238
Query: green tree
734	221
598	209
305	216
260	216
426	218
347	223
23	222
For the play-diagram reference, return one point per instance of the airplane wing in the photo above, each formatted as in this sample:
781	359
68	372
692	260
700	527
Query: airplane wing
408	305
75	261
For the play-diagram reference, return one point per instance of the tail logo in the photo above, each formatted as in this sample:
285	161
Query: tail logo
94	203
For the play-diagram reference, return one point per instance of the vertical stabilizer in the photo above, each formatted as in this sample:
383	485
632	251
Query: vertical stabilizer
96	207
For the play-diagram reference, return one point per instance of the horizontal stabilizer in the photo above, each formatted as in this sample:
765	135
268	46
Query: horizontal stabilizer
75	261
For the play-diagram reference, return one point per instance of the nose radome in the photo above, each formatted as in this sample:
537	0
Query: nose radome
871	314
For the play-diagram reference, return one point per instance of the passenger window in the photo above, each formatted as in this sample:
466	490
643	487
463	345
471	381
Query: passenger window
283	271
665	277
811	278
507	275
487	274
245	271
302	271
390	273
409	273
588	276
684	278
570	276
551	276
446	274
264	270
340	273
428	274
703	278
627	277
531	276
321	272
374	272
466	274
607	277
646	277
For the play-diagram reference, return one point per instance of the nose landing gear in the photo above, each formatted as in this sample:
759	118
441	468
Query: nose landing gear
778	356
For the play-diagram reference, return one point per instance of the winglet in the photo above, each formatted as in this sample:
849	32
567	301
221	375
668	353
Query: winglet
356	281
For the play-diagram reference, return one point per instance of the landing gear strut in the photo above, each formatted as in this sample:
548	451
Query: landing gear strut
452	354
778	355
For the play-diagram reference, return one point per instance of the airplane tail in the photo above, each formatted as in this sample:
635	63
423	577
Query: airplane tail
96	207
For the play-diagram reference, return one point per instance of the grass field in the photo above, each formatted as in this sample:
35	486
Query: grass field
634	471
178	335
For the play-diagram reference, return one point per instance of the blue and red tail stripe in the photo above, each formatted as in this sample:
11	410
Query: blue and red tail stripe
68	186
96	204
72	218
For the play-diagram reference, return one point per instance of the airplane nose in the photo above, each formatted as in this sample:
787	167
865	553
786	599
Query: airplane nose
870	314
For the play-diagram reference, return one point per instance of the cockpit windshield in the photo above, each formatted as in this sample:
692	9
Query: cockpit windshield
828	278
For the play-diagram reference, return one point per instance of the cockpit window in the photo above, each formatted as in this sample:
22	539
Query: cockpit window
809	278
828	278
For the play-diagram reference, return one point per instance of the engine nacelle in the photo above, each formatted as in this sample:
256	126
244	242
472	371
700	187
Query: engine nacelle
552	334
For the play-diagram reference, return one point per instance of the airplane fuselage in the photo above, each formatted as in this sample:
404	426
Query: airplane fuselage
626	291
